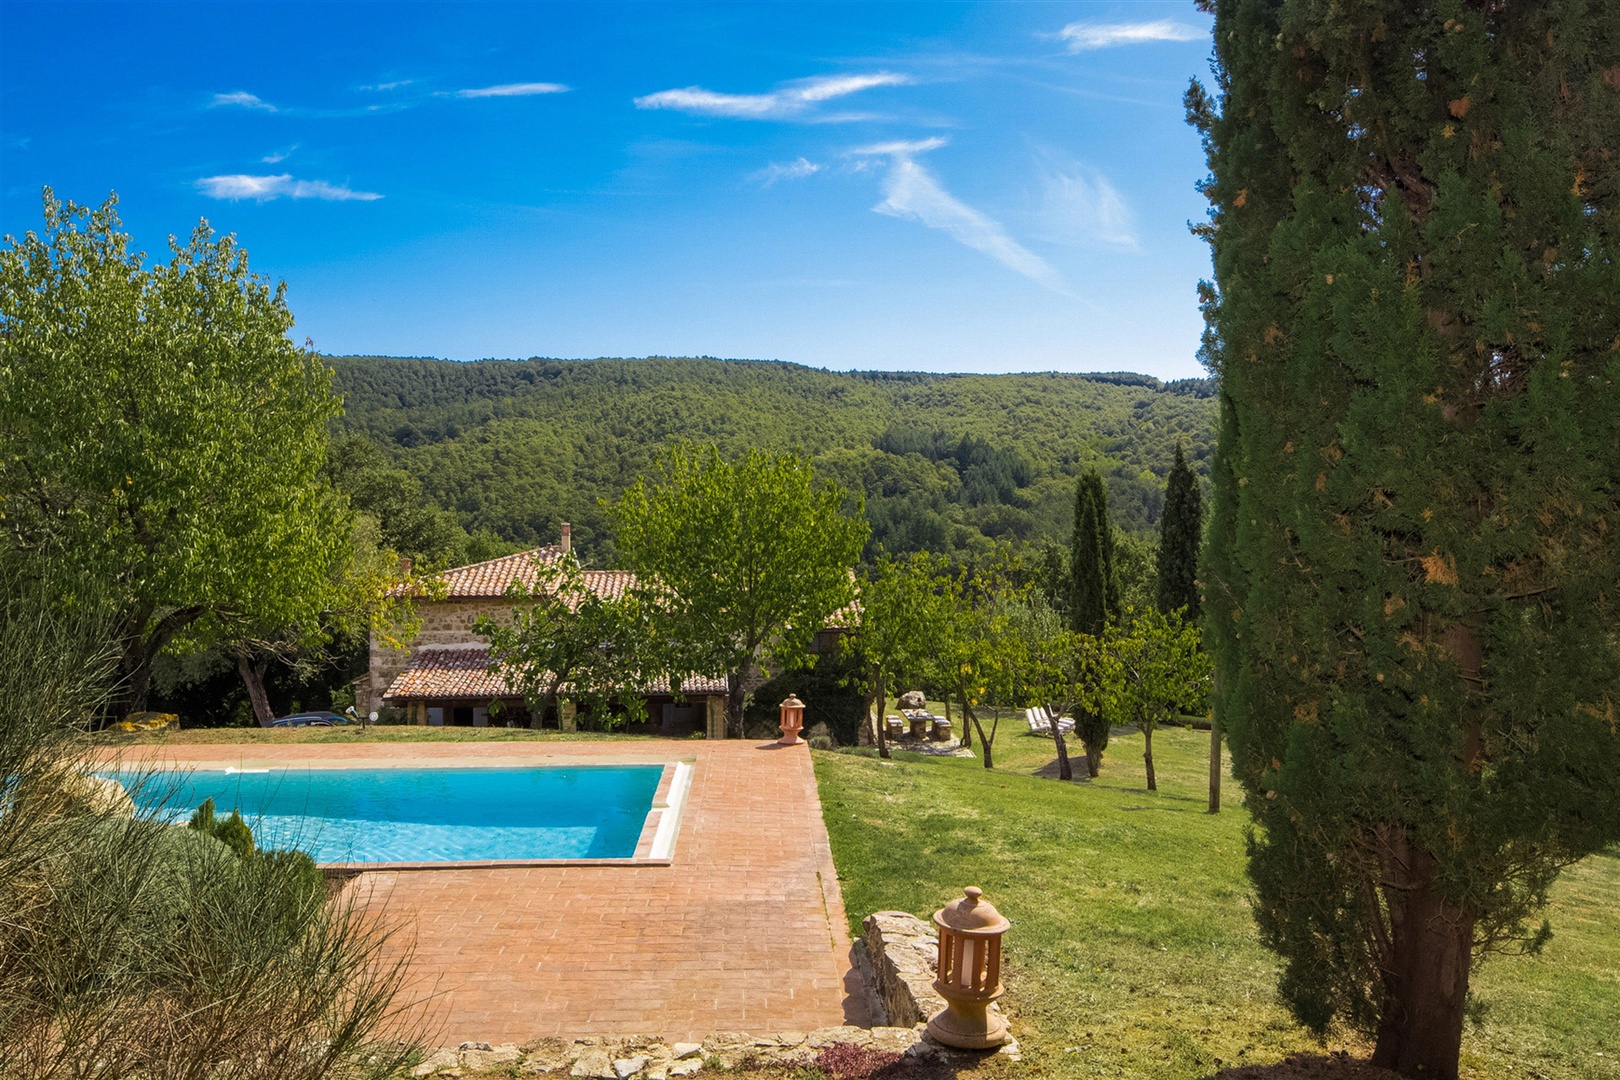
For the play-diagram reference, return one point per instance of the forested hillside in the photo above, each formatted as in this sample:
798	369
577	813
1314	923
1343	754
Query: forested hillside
946	462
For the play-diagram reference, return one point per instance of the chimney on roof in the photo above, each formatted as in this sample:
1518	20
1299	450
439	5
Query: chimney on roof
567	537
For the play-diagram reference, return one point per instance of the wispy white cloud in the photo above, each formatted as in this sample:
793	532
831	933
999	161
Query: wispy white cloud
279	155
244	100
395	85
1081	207
911	191
791	100
1083	37
265	188
793	170
525	89
901	148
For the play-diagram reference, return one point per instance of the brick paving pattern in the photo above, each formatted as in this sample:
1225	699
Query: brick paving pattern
745	931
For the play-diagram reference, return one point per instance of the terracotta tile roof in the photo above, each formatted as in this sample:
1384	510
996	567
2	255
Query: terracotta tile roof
697	684
846	618
492	578
609	583
449	673
438	674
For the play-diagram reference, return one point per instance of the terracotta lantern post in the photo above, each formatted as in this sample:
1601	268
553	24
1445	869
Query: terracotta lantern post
792	721
969	977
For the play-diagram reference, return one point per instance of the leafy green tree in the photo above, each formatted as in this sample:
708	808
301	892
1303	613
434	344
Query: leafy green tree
900	611
1046	666
1136	556
1159	670
754	555
1095	592
1415	538
158	422
1180	533
564	635
364	594
410	524
974	652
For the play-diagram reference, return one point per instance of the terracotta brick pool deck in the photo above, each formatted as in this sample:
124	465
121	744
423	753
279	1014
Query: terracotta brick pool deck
744	930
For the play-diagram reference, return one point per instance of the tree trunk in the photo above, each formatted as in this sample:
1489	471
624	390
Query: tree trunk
882	695
1085	726
1064	771
1147	755
1214	767
140	648
253	678
1426	974
968	718
967	728
735	697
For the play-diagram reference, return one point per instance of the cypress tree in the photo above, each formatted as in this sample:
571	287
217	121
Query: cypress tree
1413	575
1180	528
1095	596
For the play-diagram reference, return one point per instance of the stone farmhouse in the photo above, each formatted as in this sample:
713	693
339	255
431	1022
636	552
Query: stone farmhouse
443	678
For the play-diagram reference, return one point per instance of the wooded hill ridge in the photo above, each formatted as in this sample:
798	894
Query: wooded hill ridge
947	463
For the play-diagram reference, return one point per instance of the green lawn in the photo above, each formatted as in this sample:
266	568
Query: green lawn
1133	952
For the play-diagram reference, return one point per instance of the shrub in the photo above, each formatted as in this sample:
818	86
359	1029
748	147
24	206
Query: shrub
830	695
131	949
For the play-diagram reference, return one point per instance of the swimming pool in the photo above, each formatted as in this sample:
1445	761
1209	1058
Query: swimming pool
433	815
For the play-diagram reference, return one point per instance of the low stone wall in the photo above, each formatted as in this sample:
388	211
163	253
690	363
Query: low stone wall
903	952
634	1058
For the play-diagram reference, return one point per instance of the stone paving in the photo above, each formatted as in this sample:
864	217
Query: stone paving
744	931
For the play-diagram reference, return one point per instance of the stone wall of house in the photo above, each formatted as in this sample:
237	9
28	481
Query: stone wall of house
444	622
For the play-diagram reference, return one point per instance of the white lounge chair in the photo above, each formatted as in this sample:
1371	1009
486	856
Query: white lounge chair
1040	721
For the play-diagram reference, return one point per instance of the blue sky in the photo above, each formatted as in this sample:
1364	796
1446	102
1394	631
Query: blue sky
945	187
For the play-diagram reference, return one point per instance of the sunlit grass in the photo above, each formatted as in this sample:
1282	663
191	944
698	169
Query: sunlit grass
1133	952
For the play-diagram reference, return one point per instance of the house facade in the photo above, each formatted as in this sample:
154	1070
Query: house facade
443	676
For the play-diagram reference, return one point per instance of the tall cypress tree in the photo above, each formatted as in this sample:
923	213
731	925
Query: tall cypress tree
1095	596
1414	567
1180	528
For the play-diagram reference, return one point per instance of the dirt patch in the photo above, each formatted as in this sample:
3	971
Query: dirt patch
1077	768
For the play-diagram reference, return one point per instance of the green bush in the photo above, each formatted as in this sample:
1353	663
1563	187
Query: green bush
233	832
828	690
131	949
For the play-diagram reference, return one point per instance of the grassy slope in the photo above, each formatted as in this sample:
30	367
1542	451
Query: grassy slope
1133	951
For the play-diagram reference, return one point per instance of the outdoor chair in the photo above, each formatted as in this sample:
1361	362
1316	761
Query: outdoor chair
1040	721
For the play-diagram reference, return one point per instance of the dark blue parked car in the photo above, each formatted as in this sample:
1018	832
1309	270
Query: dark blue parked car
311	718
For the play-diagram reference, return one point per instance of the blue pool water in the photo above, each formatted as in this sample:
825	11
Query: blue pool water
422	815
